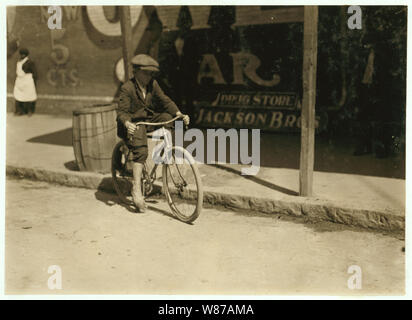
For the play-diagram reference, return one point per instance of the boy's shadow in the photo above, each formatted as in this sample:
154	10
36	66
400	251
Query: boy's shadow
110	198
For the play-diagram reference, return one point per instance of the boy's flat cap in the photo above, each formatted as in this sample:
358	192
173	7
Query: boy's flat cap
145	62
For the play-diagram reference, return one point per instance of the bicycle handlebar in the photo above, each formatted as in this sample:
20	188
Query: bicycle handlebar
158	123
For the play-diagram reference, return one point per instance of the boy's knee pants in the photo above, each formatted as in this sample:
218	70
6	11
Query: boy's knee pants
138	143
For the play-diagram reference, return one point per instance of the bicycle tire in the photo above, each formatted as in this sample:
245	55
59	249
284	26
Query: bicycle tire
120	181
192	195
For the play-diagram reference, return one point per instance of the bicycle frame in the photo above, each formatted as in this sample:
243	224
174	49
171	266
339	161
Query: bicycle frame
178	181
161	134
158	135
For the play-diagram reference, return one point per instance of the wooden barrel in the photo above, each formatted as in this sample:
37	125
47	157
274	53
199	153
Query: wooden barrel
94	137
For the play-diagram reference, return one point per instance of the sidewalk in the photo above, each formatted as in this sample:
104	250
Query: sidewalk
40	148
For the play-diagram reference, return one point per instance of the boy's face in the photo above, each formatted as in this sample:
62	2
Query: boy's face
143	76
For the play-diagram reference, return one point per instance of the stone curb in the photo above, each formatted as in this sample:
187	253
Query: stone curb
308	209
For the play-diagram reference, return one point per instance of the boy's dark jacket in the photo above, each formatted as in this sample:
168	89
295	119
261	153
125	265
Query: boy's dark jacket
133	107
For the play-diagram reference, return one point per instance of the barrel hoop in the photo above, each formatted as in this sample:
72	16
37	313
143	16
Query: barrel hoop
95	109
95	135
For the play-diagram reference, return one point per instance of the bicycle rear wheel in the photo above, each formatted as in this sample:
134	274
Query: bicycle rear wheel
182	185
122	178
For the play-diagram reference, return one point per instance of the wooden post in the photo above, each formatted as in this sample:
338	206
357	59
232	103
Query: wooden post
307	147
126	27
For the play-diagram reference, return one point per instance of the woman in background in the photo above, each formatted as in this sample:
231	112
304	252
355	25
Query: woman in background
25	86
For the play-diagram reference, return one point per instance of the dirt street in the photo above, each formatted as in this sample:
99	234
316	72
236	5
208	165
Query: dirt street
101	248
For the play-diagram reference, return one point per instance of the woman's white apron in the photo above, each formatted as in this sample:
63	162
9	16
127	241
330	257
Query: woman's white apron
24	88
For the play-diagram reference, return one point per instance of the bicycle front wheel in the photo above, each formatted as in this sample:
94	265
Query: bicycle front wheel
182	185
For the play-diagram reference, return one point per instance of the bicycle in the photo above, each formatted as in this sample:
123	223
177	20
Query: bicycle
182	184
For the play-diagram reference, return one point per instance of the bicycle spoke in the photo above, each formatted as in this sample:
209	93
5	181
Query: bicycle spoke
182	187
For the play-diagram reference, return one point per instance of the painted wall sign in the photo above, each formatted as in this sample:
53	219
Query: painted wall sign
223	65
262	99
240	71
265	119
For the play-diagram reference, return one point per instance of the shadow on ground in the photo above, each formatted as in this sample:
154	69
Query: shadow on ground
111	199
72	166
108	196
280	150
60	138
256	180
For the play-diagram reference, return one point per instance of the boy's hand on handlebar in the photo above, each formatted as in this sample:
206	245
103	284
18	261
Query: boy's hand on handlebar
131	127
185	117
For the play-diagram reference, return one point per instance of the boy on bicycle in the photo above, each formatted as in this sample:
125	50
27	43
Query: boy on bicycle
142	99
